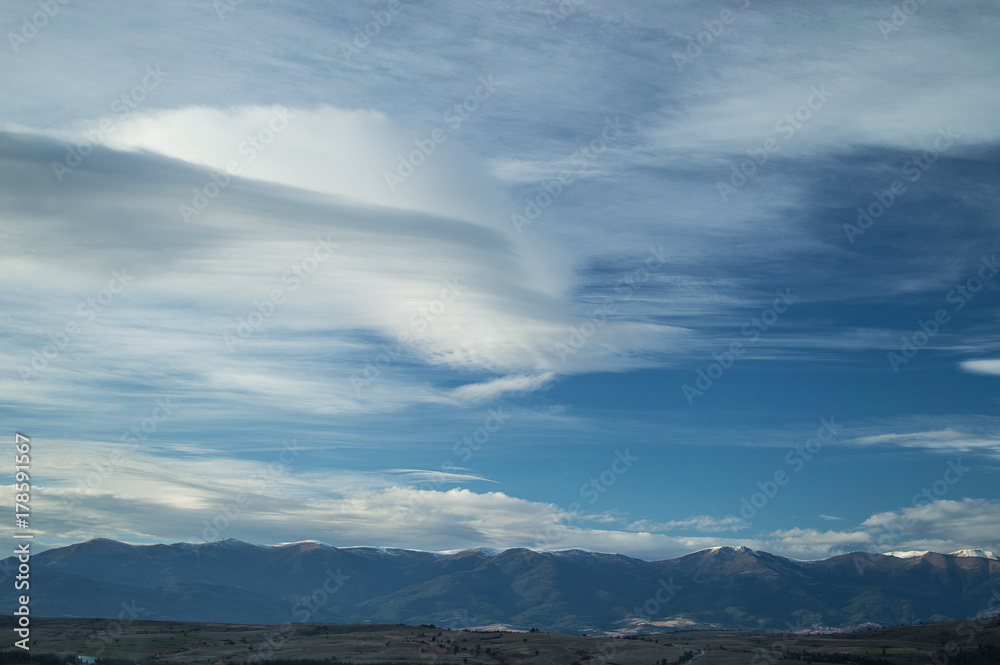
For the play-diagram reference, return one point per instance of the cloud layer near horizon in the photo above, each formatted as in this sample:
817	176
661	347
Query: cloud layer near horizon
191	497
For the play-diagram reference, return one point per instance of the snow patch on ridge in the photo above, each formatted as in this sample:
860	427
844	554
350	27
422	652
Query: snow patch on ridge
982	554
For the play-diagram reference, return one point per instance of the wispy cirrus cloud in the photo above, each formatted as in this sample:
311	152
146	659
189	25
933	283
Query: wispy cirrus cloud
931	437
494	388
991	366
436	477
698	523
945	441
254	292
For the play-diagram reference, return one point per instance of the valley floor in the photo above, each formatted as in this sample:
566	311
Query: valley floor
180	643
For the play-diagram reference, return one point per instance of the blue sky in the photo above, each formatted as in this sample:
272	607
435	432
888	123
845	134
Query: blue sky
640	277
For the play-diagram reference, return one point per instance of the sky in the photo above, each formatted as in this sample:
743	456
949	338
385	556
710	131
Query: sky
635	277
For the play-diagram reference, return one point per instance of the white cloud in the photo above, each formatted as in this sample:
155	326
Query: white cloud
465	295
946	441
435	477
943	525
341	152
815	544
969	521
702	523
515	383
945	435
139	494
991	366
154	496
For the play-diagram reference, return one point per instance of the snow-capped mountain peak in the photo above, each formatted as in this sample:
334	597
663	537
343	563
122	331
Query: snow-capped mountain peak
912	554
982	554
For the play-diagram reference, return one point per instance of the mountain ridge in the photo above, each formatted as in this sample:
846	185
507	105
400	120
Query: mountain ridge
966	552
570	591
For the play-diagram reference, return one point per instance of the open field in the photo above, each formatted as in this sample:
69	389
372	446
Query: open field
185	642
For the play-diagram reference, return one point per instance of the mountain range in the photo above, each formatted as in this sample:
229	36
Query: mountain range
572	591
